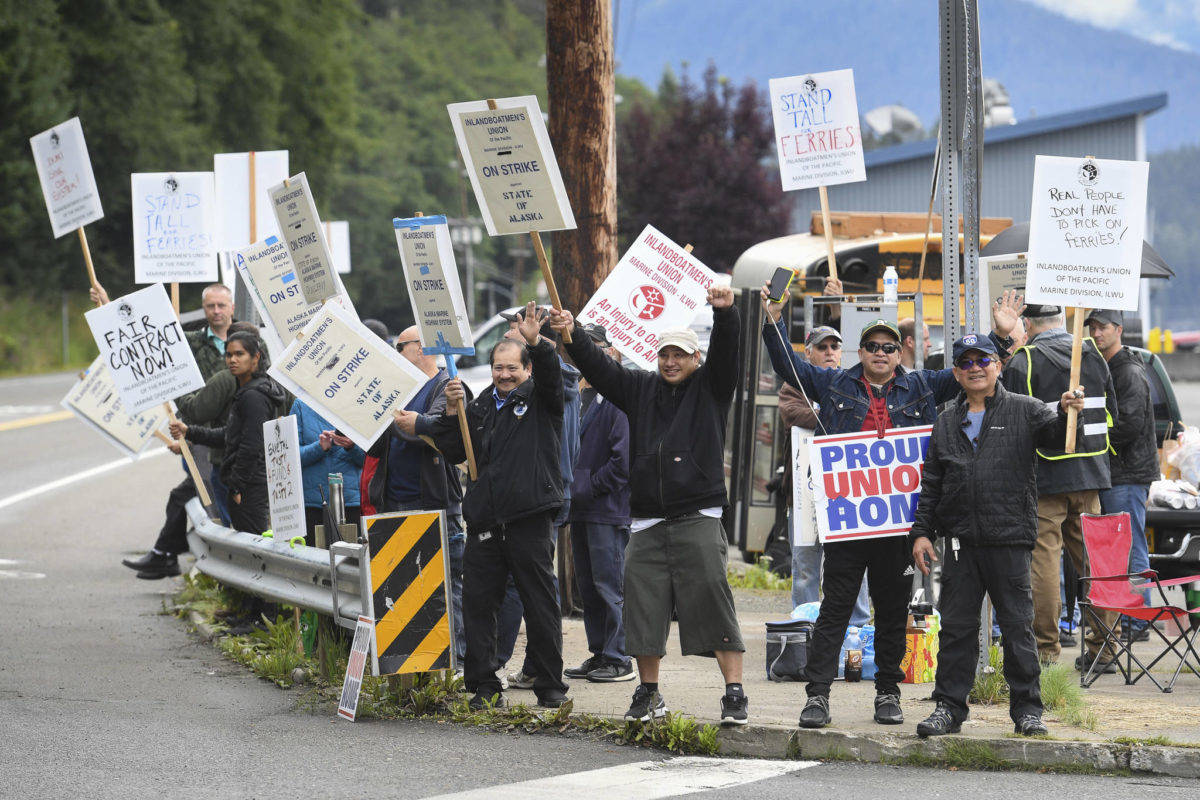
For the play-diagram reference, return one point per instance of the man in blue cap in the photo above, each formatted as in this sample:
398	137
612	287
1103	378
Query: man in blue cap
979	489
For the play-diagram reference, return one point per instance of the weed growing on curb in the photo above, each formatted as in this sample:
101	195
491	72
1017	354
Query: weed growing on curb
758	576
1060	691
990	687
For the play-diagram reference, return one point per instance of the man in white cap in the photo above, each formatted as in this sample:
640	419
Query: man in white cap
676	554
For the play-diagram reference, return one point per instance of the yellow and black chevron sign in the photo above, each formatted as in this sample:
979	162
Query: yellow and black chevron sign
409	591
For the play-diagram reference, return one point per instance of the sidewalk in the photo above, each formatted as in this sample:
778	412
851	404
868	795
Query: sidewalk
693	686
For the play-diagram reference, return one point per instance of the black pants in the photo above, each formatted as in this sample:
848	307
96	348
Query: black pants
525	549
884	561
172	539
1002	572
253	514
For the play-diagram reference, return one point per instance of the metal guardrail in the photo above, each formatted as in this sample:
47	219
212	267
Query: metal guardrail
274	570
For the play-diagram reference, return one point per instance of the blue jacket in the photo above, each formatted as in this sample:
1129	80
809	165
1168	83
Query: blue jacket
316	464
570	428
912	396
600	490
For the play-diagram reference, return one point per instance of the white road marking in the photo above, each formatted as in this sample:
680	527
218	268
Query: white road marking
26	409
21	574
643	780
29	494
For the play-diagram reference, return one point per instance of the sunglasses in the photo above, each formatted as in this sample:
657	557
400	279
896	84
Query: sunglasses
983	362
875	347
406	342
828	346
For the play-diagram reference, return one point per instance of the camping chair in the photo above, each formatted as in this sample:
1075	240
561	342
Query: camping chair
1106	542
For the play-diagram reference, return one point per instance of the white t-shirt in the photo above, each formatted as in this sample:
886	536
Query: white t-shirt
636	525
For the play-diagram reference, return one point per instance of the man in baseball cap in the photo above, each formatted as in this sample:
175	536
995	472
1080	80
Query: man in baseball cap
823	346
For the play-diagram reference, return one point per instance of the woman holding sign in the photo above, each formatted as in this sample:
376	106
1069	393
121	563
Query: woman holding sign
258	399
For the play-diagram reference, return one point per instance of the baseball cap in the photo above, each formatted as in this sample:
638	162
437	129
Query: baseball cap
974	341
1034	311
1106	317
683	338
598	333
879	325
820	334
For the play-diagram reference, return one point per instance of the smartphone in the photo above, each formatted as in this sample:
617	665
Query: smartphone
780	281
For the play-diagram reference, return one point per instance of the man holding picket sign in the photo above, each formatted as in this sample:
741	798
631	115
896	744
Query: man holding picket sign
874	395
979	489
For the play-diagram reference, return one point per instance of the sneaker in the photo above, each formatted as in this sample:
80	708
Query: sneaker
1065	639
734	709
646	705
485	699
611	673
583	669
1105	667
1138	634
1030	725
887	709
815	713
519	680
939	723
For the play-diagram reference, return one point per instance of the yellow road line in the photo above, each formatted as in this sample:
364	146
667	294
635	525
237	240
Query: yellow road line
40	419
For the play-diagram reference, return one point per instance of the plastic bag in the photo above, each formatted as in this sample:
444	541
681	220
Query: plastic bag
1186	458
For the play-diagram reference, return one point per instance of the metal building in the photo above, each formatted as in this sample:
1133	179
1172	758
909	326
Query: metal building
898	177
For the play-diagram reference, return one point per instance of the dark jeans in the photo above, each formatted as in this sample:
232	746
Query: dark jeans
1002	572
219	495
599	552
524	548
884	561
253	513
172	538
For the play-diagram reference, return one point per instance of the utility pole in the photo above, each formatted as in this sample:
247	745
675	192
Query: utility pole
580	79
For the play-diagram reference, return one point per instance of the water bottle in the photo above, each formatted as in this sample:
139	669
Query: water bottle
854	656
891	286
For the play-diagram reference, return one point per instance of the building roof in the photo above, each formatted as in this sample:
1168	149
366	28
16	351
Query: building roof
1030	127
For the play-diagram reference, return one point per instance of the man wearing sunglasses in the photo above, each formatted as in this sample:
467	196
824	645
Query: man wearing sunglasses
979	489
874	395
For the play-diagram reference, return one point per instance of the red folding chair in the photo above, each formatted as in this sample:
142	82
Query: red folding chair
1106	541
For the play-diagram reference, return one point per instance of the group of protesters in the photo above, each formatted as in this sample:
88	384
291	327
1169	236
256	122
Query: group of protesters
633	461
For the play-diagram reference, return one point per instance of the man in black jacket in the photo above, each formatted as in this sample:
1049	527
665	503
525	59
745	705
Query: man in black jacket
516	431
677	548
1133	454
979	489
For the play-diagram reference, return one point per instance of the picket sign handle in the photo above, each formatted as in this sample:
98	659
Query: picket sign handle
253	210
87	257
824	194
538	248
184	450
1076	357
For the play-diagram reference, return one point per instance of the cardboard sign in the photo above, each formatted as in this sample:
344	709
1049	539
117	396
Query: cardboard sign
65	171
144	349
866	487
296	212
804	511
1085	232
513	171
285	485
95	401
270	278
432	279
355	665
231	174
997	275
337	234
816	129
350	375
655	286
174	227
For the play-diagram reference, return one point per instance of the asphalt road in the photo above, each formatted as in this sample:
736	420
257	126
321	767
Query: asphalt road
102	695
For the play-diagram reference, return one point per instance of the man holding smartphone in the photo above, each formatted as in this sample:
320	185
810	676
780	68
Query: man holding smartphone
874	395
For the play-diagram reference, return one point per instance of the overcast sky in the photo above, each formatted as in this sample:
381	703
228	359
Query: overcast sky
1175	23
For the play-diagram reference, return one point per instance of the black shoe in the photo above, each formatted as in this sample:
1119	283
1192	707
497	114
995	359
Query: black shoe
139	564
815	713
157	566
939	723
611	673
583	669
646	705
551	699
1030	725
1139	634
485	699
1065	639
887	709
734	709
1104	668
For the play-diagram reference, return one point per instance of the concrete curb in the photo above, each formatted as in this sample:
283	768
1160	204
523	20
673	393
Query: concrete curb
203	629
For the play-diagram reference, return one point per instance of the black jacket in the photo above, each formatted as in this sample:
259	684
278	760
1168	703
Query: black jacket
986	496
677	433
1133	457
600	489
518	448
441	487
244	465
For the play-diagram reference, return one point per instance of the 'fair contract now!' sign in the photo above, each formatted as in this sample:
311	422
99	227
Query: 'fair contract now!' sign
655	286
865	487
816	129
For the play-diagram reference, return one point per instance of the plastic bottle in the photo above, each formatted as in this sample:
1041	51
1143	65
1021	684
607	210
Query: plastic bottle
854	656
891	286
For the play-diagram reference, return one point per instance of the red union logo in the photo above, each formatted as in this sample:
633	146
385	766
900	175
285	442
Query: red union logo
647	302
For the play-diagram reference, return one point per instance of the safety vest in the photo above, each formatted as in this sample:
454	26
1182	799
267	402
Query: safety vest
1049	376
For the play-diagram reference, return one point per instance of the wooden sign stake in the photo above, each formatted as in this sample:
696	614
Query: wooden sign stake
824	193
253	210
937	164
87	257
1076	357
